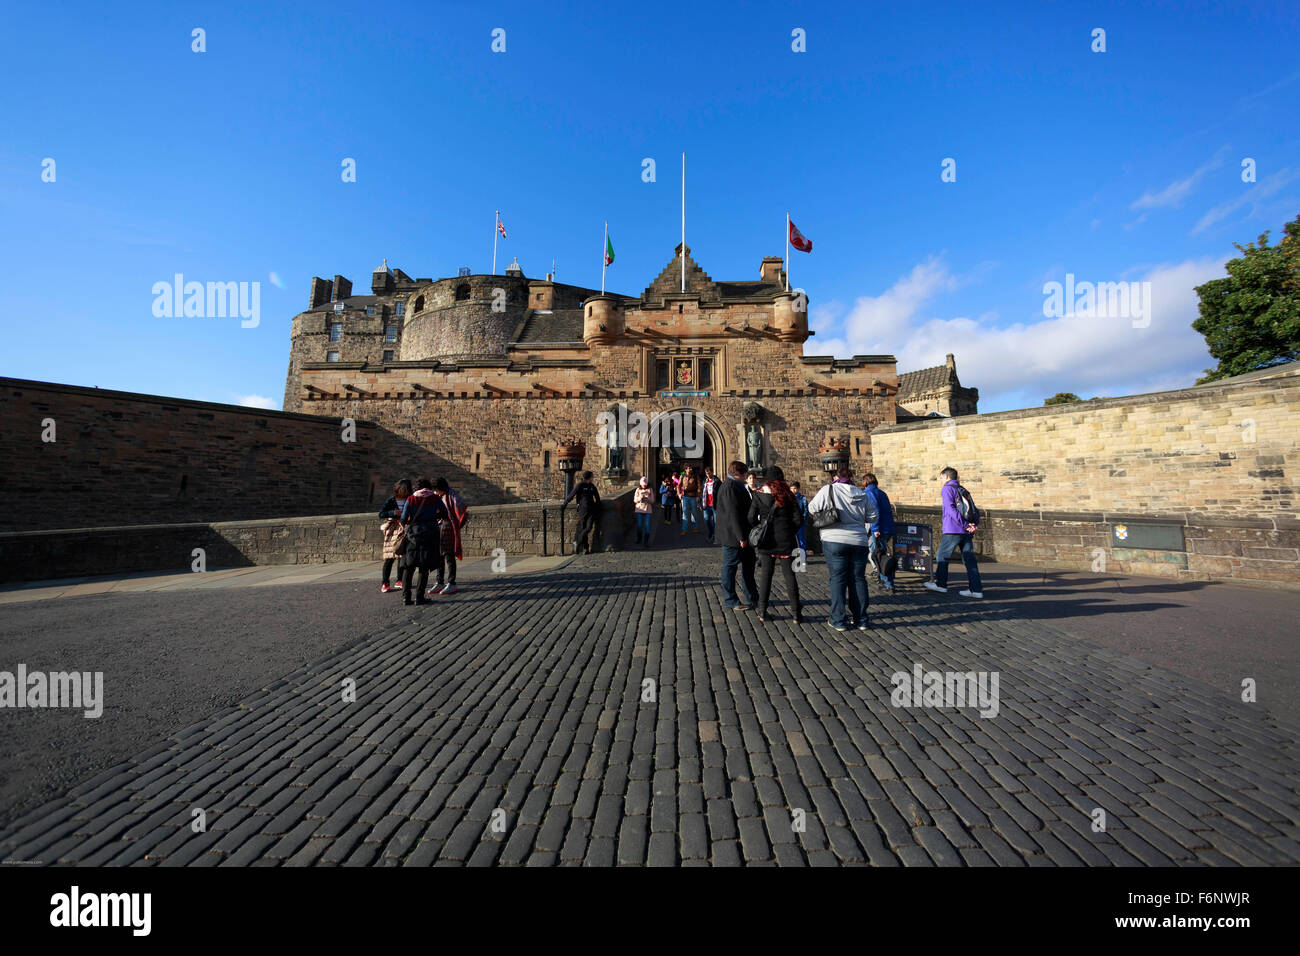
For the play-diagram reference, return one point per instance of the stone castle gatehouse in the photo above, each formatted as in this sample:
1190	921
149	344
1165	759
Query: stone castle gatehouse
486	373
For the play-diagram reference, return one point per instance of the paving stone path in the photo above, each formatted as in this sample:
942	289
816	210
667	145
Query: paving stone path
518	727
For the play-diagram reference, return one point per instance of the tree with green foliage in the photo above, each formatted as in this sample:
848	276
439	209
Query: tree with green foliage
1062	398
1251	318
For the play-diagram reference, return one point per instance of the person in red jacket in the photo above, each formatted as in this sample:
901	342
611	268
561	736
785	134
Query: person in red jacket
449	537
710	486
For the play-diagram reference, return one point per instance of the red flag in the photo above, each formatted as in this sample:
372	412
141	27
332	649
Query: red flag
798	241
501	226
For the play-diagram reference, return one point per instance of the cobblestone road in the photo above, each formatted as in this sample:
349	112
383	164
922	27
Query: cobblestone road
520	702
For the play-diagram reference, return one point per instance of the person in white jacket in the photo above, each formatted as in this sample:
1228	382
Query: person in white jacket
847	547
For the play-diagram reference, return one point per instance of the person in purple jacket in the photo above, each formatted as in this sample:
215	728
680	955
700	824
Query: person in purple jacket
958	535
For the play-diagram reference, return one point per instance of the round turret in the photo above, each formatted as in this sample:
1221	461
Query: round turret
790	315
465	316
602	320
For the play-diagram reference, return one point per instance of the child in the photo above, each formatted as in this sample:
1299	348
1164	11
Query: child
668	497
394	535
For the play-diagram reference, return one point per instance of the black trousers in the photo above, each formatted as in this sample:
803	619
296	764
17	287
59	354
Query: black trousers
406	584
388	570
586	527
447	560
766	564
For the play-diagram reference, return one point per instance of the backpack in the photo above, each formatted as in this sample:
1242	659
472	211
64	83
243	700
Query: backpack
966	506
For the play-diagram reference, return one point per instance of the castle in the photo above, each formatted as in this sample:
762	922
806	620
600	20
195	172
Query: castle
485	373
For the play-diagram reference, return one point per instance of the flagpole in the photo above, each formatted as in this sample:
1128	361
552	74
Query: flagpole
496	228
683	222
787	252
604	258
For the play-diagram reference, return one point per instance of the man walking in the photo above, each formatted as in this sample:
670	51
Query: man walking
882	534
960	520
588	510
732	499
690	491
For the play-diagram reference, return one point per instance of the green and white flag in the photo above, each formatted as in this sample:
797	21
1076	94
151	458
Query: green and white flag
609	252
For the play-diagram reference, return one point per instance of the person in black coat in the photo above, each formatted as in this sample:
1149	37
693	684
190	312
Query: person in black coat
775	504
420	516
588	498
731	502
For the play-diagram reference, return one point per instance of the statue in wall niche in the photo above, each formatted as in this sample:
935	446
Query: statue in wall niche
615	452
754	446
753	414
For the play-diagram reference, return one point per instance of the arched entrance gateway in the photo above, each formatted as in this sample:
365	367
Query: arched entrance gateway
681	437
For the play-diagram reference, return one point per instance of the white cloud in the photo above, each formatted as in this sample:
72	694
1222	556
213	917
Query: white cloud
1015	364
876	323
1176	192
1266	187
258	401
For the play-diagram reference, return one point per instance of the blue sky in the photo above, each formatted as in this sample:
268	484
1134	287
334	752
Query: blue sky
225	166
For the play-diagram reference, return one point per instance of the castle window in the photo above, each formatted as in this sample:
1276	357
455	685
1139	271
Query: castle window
705	377
370	310
661	375
419	304
331	356
336	331
462	291
388	355
400	308
390	334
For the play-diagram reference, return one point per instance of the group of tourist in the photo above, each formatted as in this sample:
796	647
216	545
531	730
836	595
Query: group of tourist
759	527
421	528
690	492
762	527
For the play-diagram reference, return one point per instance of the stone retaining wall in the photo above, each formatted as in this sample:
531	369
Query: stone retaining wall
520	530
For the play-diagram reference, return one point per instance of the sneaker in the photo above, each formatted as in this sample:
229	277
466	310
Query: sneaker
450	589
384	588
971	594
742	607
864	626
934	587
838	628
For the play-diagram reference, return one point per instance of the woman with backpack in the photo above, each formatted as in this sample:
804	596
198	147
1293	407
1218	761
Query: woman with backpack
842	511
394	535
420	517
776	519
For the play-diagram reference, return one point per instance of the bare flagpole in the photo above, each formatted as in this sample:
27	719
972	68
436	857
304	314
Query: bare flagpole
683	222
604	258
496	229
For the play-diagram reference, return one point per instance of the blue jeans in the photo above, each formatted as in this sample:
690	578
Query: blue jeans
690	514
949	544
709	520
643	524
744	559
847	564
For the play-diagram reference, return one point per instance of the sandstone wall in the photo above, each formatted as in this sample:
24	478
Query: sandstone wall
123	458
518	530
1197	483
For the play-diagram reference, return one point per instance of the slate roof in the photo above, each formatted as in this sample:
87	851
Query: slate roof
560	325
926	380
746	290
351	302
